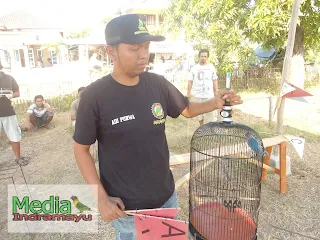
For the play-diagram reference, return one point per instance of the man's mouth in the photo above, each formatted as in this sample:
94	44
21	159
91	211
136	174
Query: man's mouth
142	65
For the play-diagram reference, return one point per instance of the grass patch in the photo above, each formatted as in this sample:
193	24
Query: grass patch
268	130
179	133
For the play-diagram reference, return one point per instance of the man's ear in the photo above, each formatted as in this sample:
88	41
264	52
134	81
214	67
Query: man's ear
111	51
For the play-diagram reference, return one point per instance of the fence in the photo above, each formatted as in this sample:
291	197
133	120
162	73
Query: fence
60	102
61	93
179	80
266	80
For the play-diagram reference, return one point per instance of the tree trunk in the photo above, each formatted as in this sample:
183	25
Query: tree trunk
297	69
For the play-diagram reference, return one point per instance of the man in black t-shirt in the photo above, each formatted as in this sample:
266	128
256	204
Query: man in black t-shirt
126	112
8	121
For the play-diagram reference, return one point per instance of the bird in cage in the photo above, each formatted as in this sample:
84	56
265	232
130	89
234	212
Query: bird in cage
255	145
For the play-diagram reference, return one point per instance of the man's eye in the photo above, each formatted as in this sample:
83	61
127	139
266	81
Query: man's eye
135	49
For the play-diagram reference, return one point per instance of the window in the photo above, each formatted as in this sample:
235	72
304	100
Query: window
5	59
54	58
31	57
17	56
150	20
39	53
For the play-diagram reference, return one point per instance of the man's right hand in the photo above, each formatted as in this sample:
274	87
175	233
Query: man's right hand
111	208
9	96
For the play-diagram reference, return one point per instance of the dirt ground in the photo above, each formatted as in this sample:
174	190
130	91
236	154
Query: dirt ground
294	215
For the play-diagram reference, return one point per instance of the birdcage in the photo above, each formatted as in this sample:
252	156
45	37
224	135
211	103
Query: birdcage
225	185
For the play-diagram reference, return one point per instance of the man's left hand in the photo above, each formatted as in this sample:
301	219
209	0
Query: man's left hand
227	96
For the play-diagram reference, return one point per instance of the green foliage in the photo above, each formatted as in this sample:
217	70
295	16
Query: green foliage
53	46
80	34
159	30
63	102
310	23
313	55
106	20
216	22
268	22
231	26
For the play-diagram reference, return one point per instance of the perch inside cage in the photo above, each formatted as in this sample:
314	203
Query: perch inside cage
225	185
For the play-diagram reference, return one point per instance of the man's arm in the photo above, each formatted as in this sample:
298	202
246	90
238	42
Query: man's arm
215	87
29	113
110	208
15	89
195	109
87	168
47	106
190	84
15	95
73	111
215	81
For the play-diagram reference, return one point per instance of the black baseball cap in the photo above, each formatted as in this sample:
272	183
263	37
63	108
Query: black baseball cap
128	29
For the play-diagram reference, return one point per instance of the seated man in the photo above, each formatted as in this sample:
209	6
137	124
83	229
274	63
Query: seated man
39	114
74	107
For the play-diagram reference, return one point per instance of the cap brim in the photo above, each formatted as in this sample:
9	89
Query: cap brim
145	38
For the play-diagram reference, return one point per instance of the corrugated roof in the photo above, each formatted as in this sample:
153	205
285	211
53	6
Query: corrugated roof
23	20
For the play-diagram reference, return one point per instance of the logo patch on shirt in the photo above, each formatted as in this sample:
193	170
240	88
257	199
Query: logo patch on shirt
157	112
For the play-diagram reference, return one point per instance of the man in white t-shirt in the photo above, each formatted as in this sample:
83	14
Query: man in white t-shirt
203	82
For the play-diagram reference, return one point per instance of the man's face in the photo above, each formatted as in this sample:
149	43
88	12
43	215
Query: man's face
39	102
131	59
79	93
203	59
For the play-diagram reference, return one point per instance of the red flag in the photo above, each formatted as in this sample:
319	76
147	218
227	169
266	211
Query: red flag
157	228
296	93
159	212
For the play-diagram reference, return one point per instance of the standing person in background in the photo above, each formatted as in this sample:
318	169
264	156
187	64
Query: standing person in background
8	121
74	107
203	82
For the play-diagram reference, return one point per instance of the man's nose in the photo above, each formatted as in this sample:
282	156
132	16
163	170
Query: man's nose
144	53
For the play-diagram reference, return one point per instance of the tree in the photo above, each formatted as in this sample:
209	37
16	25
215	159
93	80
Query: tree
231	25
268	24
217	23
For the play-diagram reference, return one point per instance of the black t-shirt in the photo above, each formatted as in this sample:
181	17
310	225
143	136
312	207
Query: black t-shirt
7	83
129	124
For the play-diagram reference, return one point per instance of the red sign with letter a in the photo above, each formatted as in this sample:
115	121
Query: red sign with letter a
157	228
